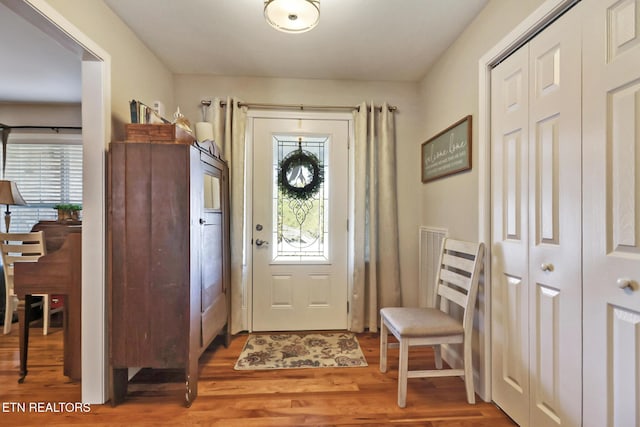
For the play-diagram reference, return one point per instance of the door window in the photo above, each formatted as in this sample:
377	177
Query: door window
301	226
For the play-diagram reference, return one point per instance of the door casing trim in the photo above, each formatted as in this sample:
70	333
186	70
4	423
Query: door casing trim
96	134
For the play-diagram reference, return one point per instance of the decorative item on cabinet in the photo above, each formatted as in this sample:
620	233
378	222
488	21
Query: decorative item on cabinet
68	212
168	294
158	133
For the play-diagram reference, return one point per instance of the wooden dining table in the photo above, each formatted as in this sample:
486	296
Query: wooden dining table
58	273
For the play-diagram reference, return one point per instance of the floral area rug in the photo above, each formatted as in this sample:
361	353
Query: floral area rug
294	350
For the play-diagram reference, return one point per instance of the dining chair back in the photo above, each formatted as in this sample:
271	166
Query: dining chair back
21	247
456	285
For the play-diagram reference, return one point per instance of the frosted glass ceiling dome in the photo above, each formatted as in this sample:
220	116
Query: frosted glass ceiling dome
292	16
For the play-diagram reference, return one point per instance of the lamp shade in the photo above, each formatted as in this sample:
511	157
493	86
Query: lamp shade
292	16
9	193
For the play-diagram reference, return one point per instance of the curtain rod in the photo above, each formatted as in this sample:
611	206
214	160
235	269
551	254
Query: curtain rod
207	103
53	128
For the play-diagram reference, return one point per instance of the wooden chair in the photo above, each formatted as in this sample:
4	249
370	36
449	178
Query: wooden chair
21	247
456	282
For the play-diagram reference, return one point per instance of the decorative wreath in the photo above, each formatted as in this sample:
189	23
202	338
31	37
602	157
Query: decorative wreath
291	180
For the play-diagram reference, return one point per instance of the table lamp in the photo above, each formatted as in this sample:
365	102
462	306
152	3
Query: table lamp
9	195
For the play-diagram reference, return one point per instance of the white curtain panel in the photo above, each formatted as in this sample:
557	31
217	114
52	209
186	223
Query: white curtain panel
376	250
229	125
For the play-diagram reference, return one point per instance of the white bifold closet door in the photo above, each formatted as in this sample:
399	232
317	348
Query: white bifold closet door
536	228
611	116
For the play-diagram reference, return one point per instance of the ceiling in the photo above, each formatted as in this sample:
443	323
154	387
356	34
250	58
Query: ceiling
386	40
34	67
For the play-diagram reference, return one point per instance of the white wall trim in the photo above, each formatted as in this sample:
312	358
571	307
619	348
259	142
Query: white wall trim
534	23
96	134
247	305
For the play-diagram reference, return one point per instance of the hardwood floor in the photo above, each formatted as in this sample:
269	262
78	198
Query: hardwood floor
294	397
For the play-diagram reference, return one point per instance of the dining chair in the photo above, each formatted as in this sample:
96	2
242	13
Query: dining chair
456	284
21	247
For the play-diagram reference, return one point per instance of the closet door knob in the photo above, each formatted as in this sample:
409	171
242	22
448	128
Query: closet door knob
626	284
546	267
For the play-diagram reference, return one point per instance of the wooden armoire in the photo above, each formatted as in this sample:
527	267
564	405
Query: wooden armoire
168	234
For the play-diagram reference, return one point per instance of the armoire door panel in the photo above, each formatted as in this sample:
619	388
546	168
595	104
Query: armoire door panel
212	264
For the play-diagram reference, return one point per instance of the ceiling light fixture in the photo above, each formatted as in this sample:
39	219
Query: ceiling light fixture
292	16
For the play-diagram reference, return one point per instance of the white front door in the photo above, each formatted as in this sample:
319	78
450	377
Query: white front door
611	213
300	246
536	229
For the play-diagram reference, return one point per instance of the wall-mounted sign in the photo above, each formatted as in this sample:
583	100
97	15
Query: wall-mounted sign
448	152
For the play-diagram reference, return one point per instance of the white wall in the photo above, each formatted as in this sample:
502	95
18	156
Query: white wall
191	89
40	114
136	73
448	92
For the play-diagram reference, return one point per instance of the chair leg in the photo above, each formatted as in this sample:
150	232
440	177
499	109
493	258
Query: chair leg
468	372
403	369
383	345
46	314
8	313
437	351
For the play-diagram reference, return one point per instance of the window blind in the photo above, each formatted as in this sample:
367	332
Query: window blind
46	174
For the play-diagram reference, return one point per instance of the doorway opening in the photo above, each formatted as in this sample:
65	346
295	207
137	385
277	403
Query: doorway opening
96	133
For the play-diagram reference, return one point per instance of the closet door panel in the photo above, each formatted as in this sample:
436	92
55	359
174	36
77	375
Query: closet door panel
509	183
624	182
536	228
554	222
612	213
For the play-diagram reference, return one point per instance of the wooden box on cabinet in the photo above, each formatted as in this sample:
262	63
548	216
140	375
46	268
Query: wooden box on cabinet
168	294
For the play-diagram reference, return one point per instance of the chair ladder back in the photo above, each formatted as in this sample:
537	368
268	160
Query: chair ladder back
23	243
21	247
457	277
24	249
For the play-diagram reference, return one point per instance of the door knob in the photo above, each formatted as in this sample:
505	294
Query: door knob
546	267
626	284
260	242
